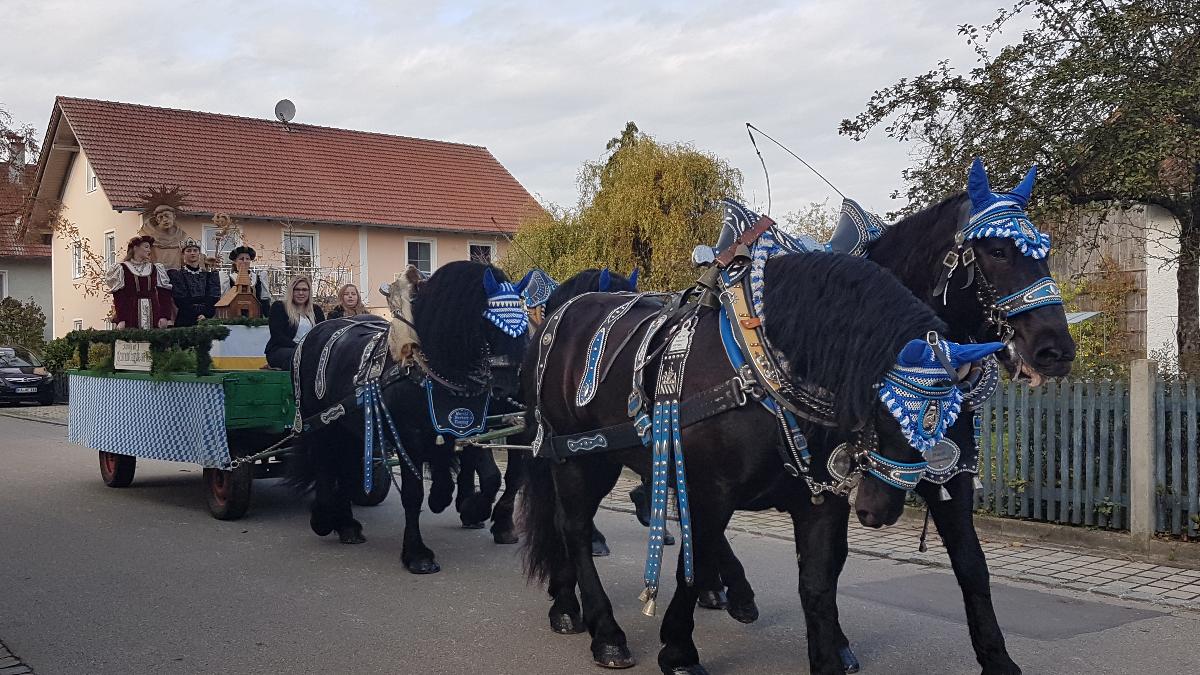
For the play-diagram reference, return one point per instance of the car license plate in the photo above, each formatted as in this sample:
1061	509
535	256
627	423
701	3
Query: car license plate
26	390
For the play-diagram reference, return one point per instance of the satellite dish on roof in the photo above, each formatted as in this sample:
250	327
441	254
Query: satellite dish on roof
285	110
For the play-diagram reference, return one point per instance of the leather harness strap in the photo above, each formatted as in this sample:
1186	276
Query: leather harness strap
744	239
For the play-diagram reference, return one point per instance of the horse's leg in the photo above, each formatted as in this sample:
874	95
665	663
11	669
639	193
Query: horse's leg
441	490
641	508
954	524
821	549
322	458
465	487
740	599
599	543
348	476
581	485
503	530
476	506
415	555
678	655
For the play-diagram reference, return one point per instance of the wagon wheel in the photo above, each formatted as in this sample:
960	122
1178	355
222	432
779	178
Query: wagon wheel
380	486
228	492
117	470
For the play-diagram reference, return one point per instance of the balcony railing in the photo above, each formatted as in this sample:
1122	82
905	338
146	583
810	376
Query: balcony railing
325	280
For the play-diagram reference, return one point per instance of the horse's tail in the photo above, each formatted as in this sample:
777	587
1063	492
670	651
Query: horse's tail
543	541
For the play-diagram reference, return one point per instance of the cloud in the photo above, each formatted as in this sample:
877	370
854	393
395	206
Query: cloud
541	85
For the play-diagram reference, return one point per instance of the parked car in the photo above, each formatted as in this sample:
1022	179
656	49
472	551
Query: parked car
23	377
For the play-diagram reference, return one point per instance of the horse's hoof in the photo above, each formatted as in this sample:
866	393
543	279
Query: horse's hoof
694	669
506	537
613	656
743	612
641	506
600	550
1008	668
712	600
668	539
566	623
474	526
849	661
423	566
320	526
351	536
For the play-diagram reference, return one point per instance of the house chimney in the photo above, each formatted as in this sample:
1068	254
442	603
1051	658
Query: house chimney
16	157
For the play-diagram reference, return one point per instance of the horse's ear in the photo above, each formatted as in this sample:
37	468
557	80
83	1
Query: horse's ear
604	281
1025	188
524	281
962	354
977	185
413	275
633	278
915	353
489	282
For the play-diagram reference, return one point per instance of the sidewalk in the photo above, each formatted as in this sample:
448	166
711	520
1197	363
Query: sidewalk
11	665
50	414
1080	569
1076	569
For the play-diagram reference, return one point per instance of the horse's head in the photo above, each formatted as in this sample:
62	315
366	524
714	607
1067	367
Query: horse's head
472	325
919	402
595	280
1022	302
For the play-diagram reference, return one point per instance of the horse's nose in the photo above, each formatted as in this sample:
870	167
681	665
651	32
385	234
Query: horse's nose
869	519
1054	354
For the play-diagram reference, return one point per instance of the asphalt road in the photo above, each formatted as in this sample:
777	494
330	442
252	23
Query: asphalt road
142	580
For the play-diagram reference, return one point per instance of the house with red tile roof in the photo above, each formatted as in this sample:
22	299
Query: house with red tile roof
24	259
343	206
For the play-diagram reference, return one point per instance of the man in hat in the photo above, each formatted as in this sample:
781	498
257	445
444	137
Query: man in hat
242	256
140	288
196	289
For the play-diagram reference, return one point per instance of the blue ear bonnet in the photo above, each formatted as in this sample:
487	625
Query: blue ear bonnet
505	307
856	229
918	390
1003	215
538	287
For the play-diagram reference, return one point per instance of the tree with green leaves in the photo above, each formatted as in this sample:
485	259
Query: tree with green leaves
645	204
22	323
816	220
1104	95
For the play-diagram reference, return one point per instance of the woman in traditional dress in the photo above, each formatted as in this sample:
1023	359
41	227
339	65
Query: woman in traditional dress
349	303
291	319
242	256
140	288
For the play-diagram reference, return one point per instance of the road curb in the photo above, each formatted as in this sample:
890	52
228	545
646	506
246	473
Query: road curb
10	664
29	418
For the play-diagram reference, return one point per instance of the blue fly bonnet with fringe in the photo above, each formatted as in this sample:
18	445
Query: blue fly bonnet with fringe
919	392
538	288
505	307
1003	214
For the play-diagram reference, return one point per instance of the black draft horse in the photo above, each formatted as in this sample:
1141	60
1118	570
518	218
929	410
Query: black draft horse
840	323
458	345
913	249
503	529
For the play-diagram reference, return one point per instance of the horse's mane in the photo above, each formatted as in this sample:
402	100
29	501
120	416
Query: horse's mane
913	248
448	313
585	282
867	316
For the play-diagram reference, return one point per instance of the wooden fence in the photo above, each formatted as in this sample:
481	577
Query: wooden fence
1062	453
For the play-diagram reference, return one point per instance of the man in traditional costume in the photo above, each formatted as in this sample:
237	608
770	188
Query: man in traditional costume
160	206
196	289
242	256
140	288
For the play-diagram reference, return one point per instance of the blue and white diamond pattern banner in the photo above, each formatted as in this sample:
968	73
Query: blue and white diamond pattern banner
172	421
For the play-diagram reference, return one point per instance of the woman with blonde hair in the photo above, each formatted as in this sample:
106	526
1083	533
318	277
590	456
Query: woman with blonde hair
290	321
349	303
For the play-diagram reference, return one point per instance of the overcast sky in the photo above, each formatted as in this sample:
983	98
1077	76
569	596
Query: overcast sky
542	85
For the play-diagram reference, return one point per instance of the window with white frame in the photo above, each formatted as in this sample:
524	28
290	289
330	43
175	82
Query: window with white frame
92	181
110	249
421	255
484	253
299	251
76	260
77	324
3	283
218	246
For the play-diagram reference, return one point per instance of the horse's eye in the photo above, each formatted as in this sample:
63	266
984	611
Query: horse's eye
999	253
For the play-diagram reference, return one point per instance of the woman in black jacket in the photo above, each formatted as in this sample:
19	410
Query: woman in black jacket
291	319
